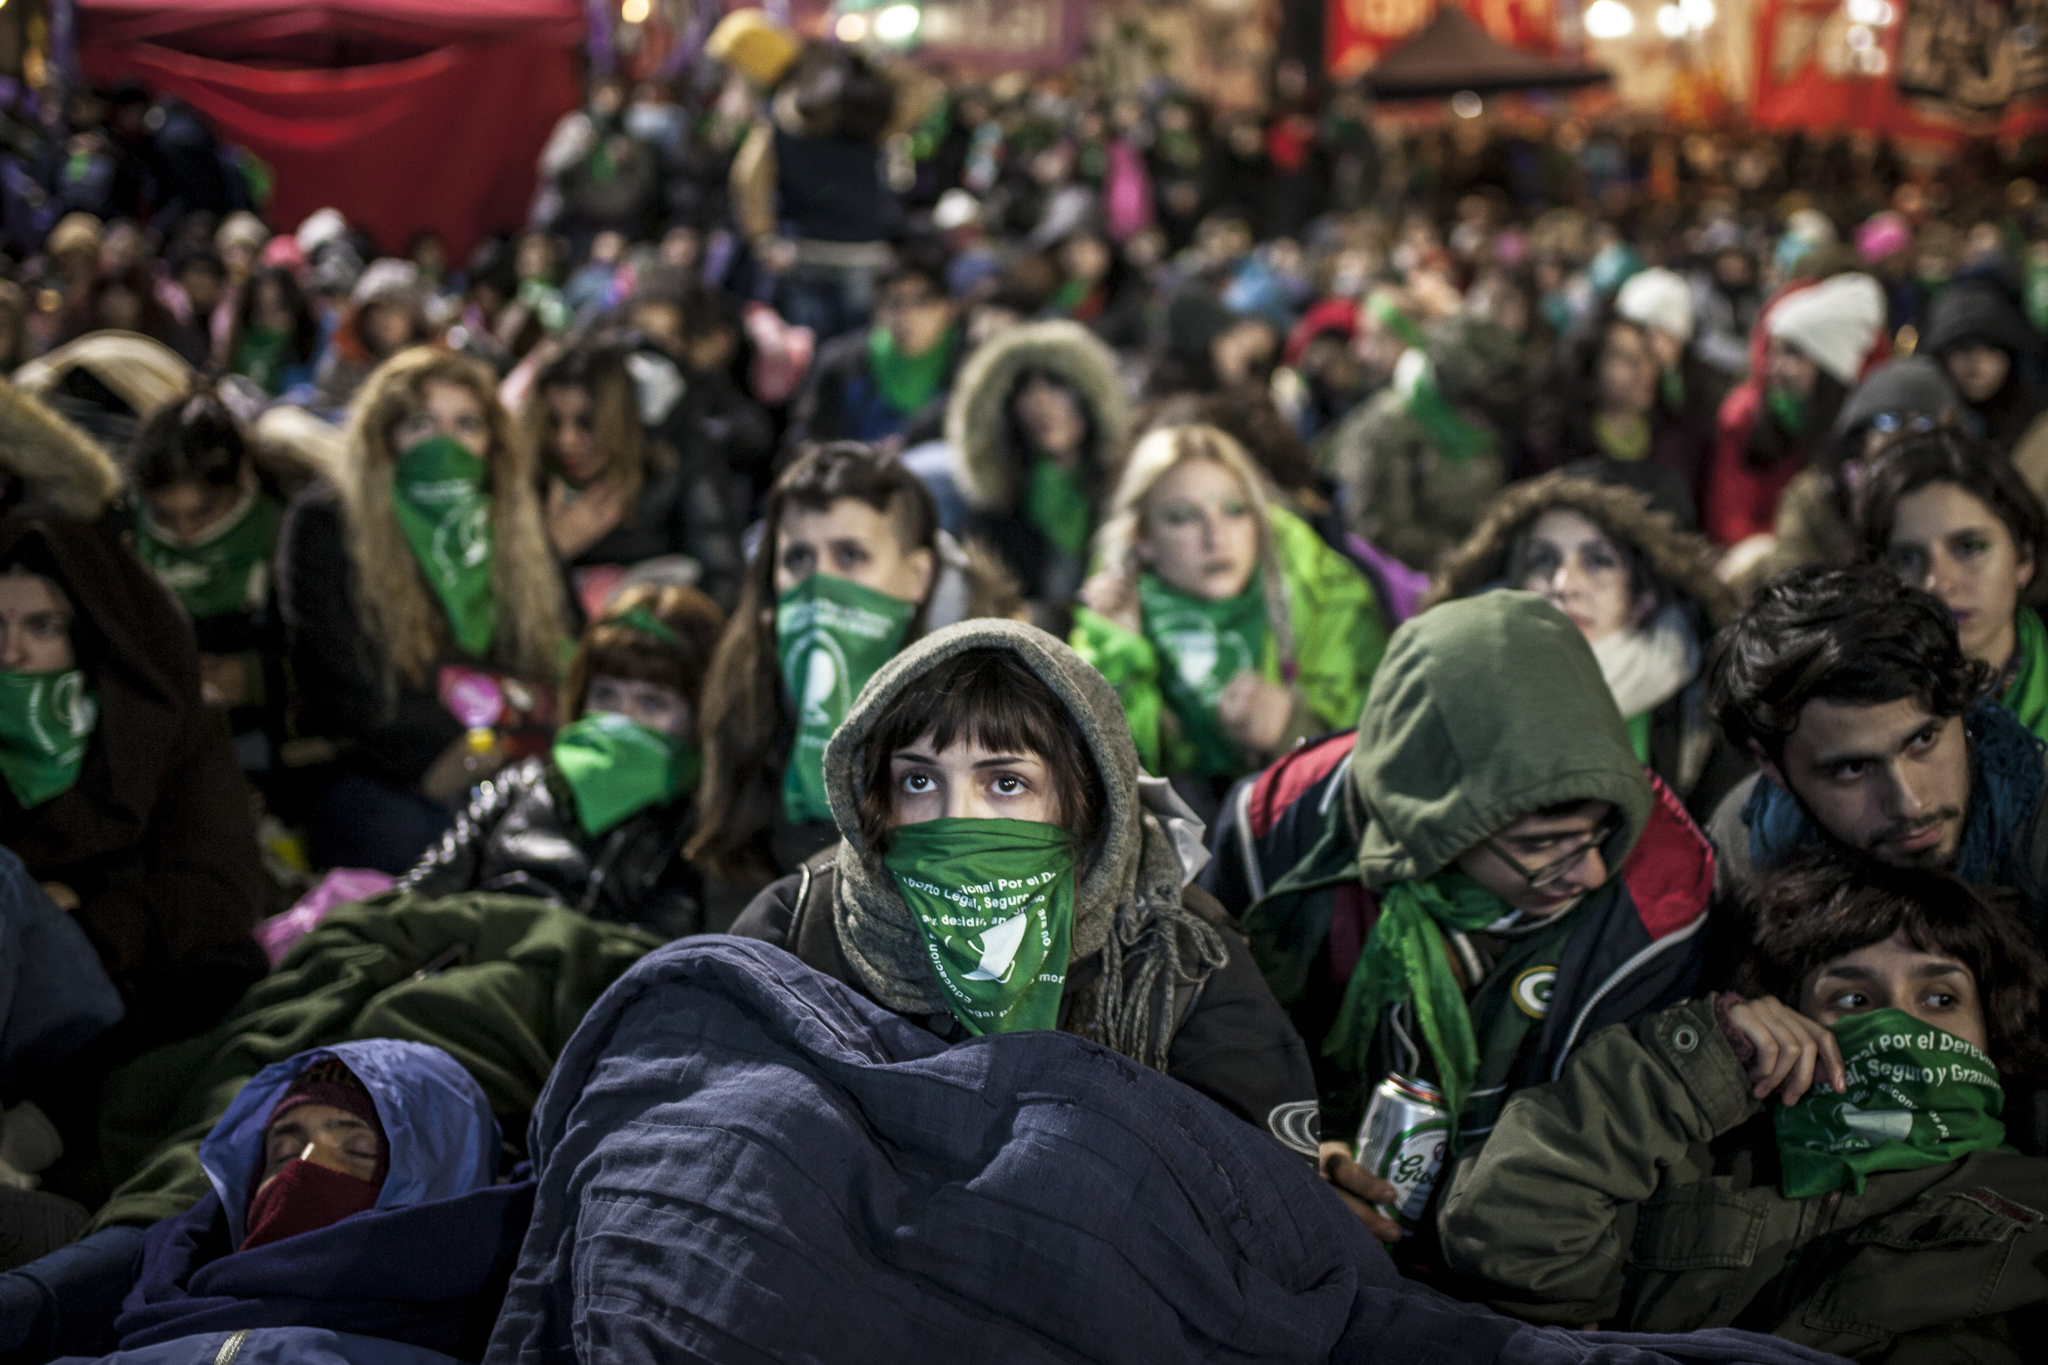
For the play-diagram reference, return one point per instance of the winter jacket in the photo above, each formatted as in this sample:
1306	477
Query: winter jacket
840	400
1686	748
155	837
1444	757
992	456
519	836
1640	1191
1339	635
683	509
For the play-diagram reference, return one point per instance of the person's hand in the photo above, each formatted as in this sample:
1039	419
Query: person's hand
1114	599
577	521
1791	1049
1254	712
61	895
1360	1189
224	679
458	768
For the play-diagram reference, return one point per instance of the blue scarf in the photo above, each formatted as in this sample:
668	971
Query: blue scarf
2005	789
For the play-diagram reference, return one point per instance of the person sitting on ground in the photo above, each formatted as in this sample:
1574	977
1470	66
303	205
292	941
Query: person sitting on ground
991	751
887	383
1949	514
1819	1155
615	491
1874	733
599	824
1227	626
424	553
851	566
357	1215
1644	594
1472	884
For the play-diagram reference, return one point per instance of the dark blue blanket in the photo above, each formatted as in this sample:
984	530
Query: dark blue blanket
742	1160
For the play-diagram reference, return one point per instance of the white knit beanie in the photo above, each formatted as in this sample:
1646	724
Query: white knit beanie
1834	324
1657	298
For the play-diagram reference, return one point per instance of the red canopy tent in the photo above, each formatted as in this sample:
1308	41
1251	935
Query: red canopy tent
403	114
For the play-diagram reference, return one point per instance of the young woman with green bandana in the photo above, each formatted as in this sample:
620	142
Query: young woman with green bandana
599	823
889	382
850	568
1003	865
426	550
1950	514
1822	1156
1226	625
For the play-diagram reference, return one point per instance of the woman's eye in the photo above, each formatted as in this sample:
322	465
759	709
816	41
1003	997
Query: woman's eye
1180	516
1969	547
1007	785
850	557
796	559
1942	1000
1237	509
1601	560
1908	563
1850	1000
917	783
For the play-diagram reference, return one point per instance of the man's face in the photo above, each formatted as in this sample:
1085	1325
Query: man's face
1559	852
1890	780
916	311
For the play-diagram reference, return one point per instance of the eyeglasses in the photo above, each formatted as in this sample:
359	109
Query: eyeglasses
1551	872
1890	423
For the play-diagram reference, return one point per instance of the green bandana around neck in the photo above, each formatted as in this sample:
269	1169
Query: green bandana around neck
994	903
617	767
221	571
46	721
830	637
908	382
647	623
2027	698
1203	645
1057	506
1405	959
1787	410
260	356
1455	438
1639	736
438	493
1918	1096
1627	439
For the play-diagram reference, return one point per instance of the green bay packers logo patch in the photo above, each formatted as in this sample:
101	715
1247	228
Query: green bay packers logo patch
1532	991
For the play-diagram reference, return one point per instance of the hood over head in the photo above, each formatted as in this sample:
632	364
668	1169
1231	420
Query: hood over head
1975	310
140	372
60	469
1917	385
1446	757
1127	905
443	1138
978	424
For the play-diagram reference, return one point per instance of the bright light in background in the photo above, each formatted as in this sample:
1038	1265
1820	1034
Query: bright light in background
1671	21
851	28
1467	104
1876	12
897	24
632	11
1860	38
1698	13
1609	19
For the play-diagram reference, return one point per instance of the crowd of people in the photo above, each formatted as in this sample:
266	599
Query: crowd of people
885	733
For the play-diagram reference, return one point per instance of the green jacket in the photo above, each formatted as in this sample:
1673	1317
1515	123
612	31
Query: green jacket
499	981
1339	636
1640	1191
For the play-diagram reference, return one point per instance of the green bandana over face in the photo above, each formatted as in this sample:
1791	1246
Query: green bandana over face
221	571
46	720
1787	410
618	767
907	382
2027	698
1057	506
1405	959
1203	645
830	637
994	903
1917	1097
438	492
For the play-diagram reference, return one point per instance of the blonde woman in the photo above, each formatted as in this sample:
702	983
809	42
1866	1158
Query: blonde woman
426	549
1226	625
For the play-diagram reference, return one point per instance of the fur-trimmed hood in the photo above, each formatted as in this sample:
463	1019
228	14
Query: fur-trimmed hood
1680	560
977	417
63	469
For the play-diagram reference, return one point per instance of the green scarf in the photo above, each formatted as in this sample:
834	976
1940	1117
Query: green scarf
1627	440
1057	506
46	720
1787	410
217	572
1508	1005
1203	645
830	637
1405	959
1918	1096
994	903
438	492
260	356
546	304
1456	439
1389	315
1639	735
2027	698
617	767
908	382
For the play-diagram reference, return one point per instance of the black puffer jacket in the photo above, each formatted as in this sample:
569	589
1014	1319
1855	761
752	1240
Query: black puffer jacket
519	837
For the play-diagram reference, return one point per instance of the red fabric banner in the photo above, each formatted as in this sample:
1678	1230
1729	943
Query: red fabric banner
444	133
1359	31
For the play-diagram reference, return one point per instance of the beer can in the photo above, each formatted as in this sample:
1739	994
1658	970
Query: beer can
1403	1141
